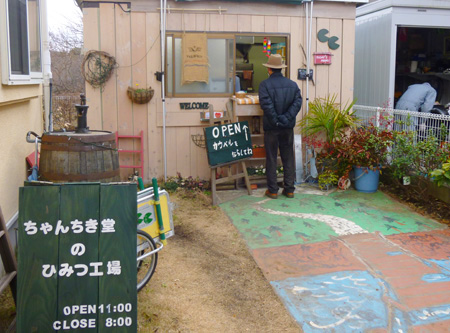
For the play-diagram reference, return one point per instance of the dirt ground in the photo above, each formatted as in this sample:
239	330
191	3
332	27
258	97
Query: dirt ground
206	279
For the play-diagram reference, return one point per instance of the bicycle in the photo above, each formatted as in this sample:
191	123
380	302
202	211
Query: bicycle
148	233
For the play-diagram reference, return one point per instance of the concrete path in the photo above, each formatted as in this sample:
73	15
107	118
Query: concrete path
349	261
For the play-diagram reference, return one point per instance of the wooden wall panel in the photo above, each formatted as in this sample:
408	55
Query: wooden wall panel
173	21
322	71
91	41
183	149
172	158
154	145
257	23
244	23
348	60
270	24
284	24
108	44
125	119
139	76
189	22
335	69
201	22
216	22
230	23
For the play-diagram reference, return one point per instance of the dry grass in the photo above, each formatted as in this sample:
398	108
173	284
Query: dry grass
206	280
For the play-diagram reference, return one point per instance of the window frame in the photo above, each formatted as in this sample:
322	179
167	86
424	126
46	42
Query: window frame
7	77
217	35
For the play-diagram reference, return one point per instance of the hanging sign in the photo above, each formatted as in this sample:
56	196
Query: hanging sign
323	58
228	143
77	249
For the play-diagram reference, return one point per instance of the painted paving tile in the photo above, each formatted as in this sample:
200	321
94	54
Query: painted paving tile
362	282
284	262
315	218
355	301
338	302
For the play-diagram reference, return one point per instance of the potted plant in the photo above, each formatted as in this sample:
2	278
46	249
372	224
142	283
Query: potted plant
326	116
323	127
366	149
140	95
259	151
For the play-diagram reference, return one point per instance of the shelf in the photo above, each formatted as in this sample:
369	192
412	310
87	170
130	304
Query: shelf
426	76
261	158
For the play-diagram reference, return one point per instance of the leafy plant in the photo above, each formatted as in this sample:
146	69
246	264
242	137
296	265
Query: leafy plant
326	116
327	179
190	183
416	158
367	146
441	176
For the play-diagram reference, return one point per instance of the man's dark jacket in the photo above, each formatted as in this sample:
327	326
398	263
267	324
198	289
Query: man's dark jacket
280	100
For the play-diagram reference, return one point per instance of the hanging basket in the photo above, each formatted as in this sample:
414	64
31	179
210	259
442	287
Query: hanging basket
140	96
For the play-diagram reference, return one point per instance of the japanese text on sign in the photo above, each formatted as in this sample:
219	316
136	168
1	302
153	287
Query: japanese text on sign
227	143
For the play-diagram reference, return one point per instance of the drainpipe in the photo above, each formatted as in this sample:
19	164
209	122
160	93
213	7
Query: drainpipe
308	29
46	69
163	84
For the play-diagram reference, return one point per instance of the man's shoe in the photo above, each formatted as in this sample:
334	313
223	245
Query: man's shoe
271	195
288	194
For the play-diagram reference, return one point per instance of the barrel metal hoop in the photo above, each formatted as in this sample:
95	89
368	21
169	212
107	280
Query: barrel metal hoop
80	138
76	147
80	177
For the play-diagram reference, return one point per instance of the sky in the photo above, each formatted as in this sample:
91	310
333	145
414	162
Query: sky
60	12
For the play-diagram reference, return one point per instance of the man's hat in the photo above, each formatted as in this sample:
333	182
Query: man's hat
275	61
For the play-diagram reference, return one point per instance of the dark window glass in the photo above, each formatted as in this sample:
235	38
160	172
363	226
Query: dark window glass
18	39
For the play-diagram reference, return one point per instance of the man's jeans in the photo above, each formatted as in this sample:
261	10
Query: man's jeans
284	140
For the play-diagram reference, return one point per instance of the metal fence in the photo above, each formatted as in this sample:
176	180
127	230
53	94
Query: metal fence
421	124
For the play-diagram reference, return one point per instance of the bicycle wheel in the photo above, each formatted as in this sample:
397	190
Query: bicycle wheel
147	265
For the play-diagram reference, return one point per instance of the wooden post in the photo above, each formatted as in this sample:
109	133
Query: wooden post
230	177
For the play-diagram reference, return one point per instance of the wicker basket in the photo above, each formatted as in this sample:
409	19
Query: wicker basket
140	96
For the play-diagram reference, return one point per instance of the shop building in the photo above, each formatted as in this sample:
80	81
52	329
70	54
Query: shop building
237	33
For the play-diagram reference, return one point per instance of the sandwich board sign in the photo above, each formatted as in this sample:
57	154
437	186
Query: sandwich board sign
228	143
77	258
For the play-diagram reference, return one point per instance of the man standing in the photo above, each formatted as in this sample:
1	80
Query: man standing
280	99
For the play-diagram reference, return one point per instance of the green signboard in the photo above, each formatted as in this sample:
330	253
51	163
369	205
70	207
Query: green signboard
77	258
228	143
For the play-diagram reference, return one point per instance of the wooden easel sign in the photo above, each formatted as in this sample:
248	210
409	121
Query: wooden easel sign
226	145
77	258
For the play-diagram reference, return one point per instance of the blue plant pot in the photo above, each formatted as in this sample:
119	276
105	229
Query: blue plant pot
366	180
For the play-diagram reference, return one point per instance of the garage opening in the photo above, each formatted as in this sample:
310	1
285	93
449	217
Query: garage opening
423	55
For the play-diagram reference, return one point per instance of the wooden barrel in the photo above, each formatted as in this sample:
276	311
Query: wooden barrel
77	157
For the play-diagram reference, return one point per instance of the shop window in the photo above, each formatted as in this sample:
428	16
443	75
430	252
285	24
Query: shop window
251	53
235	63
21	49
220	56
